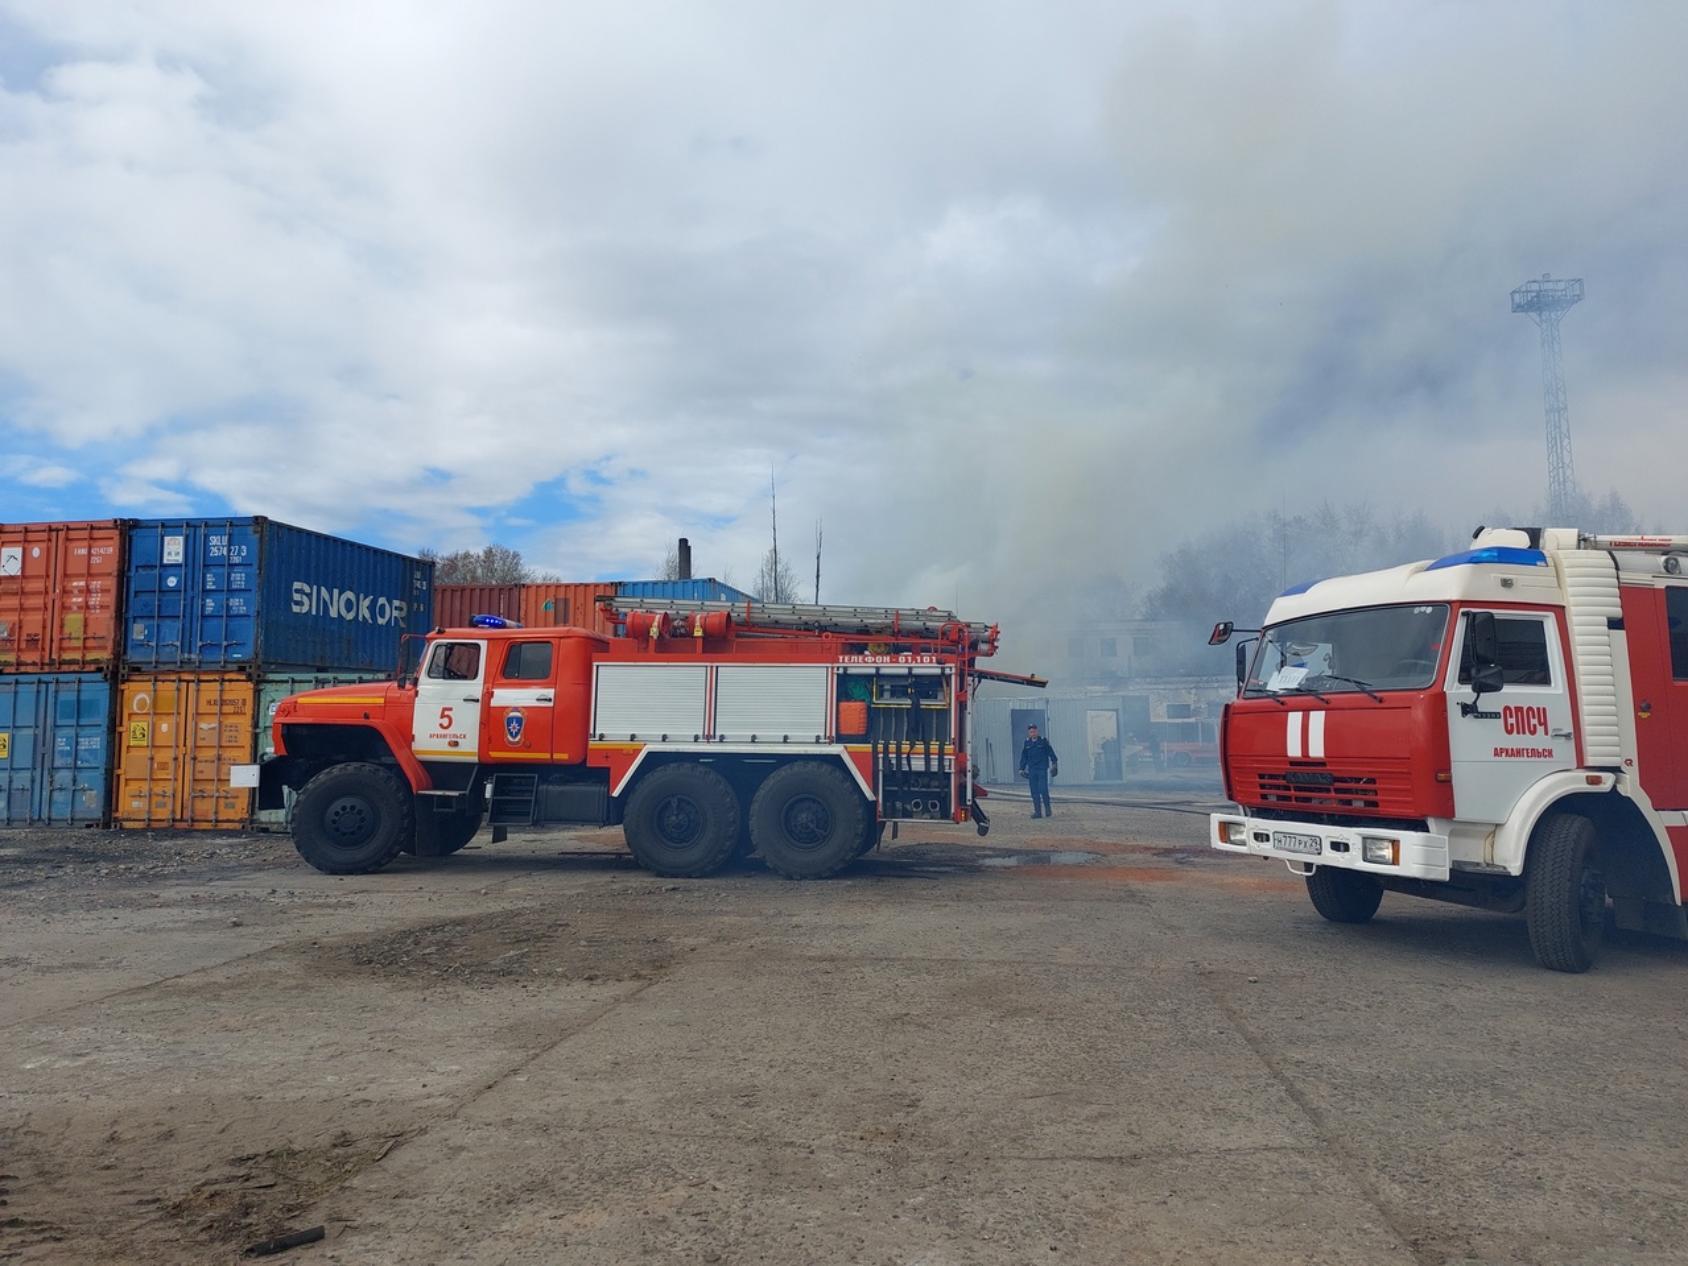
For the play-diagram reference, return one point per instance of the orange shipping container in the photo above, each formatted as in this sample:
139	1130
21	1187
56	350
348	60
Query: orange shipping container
60	586
547	605
177	736
455	605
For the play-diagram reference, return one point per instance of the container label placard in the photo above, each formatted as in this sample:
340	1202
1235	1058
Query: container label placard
173	550
5	745
11	560
139	733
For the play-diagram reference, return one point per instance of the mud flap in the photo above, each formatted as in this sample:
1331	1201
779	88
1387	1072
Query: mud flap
500	834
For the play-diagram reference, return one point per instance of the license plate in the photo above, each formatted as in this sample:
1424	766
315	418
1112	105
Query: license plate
1289	842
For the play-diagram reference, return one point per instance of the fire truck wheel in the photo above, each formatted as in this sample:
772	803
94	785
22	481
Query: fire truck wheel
682	821
450	832
808	820
1565	893
1344	896
351	819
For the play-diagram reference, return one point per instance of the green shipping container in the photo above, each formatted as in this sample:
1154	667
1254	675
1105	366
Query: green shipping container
272	689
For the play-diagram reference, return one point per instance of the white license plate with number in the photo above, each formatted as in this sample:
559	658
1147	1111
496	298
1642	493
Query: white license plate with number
1293	843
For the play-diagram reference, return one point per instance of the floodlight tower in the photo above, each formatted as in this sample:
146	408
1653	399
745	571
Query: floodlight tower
1545	302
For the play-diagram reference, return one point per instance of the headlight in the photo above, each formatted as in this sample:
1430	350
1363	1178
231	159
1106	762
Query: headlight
1234	832
1381	852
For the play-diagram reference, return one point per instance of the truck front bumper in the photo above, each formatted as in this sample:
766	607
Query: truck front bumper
1417	854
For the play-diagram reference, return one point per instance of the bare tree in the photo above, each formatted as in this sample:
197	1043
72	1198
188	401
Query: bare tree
775	581
1235	570
490	565
670	564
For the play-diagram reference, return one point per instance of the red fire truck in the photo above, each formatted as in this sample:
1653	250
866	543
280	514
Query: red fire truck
709	730
1505	727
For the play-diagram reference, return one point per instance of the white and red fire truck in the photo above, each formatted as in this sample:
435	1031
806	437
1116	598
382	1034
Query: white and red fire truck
709	730
1505	727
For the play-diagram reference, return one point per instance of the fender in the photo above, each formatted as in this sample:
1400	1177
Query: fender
413	771
1512	837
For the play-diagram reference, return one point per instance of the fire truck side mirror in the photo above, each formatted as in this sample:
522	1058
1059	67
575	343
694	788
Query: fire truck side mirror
1242	662
1482	651
1221	633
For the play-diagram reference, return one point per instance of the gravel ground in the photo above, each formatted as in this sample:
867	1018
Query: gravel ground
1087	1039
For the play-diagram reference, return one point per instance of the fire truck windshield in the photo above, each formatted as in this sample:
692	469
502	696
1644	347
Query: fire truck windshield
1377	648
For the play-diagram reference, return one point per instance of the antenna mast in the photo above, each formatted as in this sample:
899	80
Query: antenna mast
1545	302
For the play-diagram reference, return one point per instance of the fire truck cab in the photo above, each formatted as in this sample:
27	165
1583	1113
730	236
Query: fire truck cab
1505	727
708	731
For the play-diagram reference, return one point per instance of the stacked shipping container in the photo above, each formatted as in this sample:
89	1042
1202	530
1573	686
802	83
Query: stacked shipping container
61	590
185	632
223	618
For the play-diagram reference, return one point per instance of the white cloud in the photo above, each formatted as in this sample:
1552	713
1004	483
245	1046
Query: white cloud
1003	293
45	475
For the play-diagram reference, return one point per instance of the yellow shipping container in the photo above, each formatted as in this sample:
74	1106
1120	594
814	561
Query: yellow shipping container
177	736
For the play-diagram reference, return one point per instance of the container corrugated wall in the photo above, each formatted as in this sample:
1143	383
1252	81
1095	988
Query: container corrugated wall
456	605
546	605
228	593
177	736
55	748
272	689
701	589
61	586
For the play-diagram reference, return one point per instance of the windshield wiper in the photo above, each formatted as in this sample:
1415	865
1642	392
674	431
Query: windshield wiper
1254	692
1306	690
1364	687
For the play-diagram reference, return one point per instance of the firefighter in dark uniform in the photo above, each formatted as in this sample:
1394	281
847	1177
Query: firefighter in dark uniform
1039	764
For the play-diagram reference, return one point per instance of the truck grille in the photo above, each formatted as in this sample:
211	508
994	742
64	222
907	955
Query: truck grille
1380	791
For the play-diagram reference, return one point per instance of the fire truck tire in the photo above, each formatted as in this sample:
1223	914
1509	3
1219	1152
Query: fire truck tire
808	820
451	831
1565	894
682	821
1344	896
351	819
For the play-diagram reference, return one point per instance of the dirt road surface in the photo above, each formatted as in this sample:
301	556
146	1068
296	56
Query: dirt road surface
1082	1040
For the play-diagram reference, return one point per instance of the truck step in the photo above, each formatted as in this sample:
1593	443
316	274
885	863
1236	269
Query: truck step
512	800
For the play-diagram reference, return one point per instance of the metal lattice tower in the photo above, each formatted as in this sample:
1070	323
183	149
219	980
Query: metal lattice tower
1545	302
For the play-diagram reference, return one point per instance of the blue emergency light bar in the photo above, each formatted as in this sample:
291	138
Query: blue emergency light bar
492	622
1507	555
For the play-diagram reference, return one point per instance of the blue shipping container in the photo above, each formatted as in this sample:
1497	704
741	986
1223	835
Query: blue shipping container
703	589
55	748
228	593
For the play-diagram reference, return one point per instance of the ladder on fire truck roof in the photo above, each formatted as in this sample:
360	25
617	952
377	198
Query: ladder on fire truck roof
886	622
1651	544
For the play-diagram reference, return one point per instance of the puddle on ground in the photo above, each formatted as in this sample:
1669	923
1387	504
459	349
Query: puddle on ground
1063	857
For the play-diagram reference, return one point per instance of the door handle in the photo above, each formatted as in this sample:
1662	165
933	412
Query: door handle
544	699
1563	734
471	698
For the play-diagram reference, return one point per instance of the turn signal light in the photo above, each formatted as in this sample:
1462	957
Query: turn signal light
1381	852
1444	775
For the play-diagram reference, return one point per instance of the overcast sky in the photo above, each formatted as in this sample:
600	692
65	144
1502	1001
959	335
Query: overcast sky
999	290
